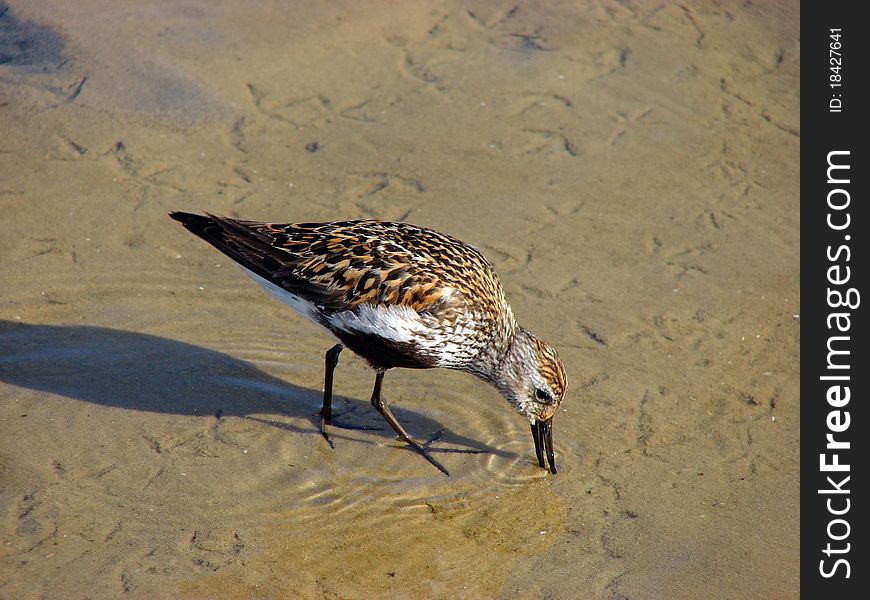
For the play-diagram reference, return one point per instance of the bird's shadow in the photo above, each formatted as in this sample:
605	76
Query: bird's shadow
138	371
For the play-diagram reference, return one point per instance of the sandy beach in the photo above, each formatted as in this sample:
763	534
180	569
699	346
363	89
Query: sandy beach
631	170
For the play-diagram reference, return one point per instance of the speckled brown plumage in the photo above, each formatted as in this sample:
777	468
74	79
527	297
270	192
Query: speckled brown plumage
400	296
383	263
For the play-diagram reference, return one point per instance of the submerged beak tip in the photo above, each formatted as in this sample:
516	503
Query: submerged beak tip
542	433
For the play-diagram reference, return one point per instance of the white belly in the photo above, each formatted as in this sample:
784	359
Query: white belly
396	323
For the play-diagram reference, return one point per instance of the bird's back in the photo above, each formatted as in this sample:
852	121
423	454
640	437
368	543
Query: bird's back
384	263
429	295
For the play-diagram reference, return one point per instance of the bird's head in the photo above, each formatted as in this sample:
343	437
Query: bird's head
533	379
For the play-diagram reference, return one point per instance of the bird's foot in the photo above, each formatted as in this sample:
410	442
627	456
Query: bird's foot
424	452
326	422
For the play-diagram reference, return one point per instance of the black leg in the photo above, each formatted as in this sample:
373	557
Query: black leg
326	411
387	414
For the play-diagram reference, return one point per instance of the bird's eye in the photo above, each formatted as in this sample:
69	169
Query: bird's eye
543	396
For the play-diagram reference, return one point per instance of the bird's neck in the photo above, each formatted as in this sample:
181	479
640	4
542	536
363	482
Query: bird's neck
505	366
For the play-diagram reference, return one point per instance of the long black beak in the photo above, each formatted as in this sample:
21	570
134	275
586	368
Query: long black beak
542	433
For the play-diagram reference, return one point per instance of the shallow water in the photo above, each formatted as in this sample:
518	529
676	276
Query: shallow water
630	169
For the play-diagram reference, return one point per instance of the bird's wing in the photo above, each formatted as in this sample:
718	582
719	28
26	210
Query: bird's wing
341	265
255	249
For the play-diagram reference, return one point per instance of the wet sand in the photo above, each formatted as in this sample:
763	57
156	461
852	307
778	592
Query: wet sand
630	168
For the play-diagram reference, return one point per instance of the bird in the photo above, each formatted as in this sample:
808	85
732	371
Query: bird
399	296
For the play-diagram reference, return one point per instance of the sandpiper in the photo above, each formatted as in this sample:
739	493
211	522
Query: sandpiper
398	295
